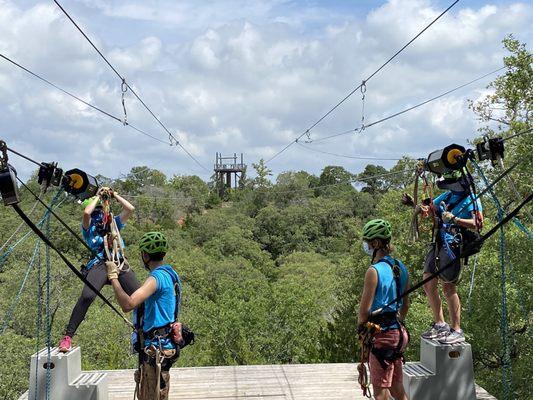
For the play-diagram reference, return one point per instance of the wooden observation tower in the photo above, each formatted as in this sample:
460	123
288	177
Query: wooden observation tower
225	167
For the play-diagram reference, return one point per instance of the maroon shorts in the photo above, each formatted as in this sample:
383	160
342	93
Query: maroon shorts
385	377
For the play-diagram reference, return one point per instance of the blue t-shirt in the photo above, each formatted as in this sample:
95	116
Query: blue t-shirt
96	242
463	207
386	288
160	307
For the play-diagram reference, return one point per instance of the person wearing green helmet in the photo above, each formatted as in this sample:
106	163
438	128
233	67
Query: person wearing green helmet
94	227
384	281
156	304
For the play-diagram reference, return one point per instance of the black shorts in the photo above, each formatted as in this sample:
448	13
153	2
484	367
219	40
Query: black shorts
432	264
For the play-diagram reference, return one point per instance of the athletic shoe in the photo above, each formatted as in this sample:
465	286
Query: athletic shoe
436	331
65	345
453	337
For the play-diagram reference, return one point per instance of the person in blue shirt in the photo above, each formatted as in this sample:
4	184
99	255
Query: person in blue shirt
93	231
385	280
159	297
457	216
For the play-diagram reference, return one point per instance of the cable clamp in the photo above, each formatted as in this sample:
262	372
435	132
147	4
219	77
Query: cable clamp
308	135
173	141
124	89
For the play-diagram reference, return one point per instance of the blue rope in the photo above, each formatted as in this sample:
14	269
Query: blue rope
38	324
47	305
16	300
507	371
520	295
10	249
471	289
497	203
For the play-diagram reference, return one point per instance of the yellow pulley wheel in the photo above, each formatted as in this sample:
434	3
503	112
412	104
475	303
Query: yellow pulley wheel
453	155
76	181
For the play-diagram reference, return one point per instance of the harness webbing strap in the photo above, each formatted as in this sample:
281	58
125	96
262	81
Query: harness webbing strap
113	245
396	272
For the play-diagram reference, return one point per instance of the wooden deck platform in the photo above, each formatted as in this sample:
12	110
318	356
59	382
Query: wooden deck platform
271	382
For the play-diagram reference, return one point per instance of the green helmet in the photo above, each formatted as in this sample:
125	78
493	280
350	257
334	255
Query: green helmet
377	229
88	201
452	175
153	242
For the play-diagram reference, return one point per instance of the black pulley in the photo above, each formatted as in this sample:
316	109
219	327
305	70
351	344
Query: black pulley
8	185
80	184
450	158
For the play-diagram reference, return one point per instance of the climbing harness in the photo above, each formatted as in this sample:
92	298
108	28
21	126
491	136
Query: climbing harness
113	243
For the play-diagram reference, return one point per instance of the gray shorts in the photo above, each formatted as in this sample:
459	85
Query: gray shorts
432	264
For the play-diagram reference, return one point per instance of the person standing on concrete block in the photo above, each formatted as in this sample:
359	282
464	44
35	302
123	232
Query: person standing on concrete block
457	218
385	280
157	304
94	230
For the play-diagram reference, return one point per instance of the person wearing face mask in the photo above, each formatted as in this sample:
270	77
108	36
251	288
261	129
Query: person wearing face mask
93	231
385	280
156	305
457	218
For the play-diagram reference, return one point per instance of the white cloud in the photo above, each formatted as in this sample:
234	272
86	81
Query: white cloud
248	76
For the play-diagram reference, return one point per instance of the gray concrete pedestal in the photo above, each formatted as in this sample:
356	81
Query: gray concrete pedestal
66	380
445	372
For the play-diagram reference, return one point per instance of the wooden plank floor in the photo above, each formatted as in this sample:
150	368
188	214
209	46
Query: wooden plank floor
271	382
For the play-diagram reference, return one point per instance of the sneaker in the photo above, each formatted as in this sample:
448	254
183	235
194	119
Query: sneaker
65	345
436	331
453	337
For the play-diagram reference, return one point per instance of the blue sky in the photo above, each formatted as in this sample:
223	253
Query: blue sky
245	76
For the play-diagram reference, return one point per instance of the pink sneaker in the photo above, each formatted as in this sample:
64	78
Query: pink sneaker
65	345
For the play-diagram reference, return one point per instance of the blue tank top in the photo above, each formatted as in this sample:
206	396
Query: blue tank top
386	288
160	307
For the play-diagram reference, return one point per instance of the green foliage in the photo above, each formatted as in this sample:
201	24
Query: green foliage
273	273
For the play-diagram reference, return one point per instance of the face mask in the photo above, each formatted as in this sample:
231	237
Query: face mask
367	249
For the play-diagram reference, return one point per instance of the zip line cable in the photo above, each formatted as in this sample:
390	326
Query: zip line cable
408	109
346	156
124	82
363	83
519	134
80	100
